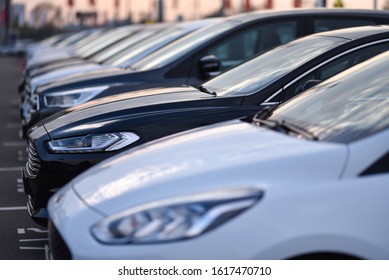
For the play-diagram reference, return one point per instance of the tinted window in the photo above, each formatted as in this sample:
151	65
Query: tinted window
336	66
244	45
124	44
350	60
104	41
185	45
146	47
263	70
321	25
297	87
345	108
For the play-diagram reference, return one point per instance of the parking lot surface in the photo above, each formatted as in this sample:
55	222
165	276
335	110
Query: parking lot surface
20	238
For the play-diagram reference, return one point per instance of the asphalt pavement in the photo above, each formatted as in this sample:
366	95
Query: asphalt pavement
20	237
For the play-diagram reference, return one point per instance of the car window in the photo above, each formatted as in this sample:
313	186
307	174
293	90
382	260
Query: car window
260	72
326	24
244	45
104	41
146	47
347	107
297	87
334	67
350	59
185	45
122	45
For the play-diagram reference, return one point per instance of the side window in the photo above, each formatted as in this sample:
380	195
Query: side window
326	24
349	60
297	87
246	44
334	67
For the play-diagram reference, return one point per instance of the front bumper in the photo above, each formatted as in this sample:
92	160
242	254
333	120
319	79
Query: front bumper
45	174
70	237
40	188
40	215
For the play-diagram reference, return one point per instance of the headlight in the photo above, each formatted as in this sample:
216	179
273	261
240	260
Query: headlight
93	143
72	97
176	218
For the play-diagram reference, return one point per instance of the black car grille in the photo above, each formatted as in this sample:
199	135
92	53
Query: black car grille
59	249
33	164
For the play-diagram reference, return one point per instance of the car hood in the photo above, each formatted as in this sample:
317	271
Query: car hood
96	113
66	72
75	81
55	66
232	154
50	57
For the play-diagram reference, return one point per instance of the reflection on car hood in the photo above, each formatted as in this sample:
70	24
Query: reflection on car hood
117	106
85	78
67	72
231	154
51	57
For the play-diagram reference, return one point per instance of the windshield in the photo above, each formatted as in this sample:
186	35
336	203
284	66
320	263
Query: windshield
183	46
91	37
350	106
73	39
54	40
104	41
259	72
141	50
122	45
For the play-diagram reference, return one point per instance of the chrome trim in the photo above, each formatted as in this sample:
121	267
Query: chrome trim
33	163
33	159
213	214
269	103
32	167
272	96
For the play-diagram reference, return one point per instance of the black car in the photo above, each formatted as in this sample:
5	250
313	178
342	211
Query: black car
69	142
199	56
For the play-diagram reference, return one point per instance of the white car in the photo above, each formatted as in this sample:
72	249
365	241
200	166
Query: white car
306	180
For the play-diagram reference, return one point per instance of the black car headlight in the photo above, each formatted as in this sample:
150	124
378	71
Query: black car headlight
93	143
71	98
174	219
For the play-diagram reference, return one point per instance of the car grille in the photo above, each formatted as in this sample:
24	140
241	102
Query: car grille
59	249
26	92
28	87
33	164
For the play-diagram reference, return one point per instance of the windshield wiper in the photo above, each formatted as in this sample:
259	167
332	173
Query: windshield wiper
284	126
265	112
205	90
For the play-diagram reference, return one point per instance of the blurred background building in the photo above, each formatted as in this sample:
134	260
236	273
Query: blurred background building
25	16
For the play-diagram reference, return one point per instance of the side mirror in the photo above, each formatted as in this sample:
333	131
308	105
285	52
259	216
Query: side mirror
310	84
209	66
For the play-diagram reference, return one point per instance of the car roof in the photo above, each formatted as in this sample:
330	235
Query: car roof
354	33
246	17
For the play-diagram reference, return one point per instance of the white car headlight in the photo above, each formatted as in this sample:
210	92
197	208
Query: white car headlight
93	143
71	98
177	218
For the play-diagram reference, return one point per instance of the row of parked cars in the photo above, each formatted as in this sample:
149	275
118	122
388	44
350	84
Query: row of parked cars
260	135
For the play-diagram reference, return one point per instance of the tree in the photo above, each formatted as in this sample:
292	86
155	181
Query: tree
338	4
386	6
47	14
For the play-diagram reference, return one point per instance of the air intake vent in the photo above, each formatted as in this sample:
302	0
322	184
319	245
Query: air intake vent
33	164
